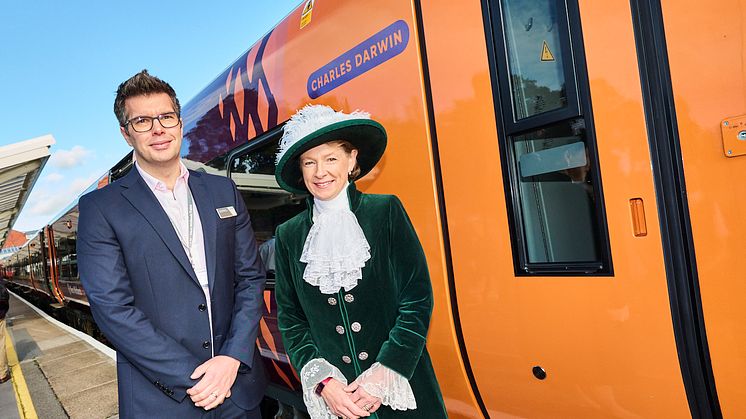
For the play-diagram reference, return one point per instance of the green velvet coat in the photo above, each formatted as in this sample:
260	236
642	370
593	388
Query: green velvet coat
392	303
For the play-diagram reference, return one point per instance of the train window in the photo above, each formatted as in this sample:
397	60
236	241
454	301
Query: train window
37	269
25	272
252	168
67	258
260	161
556	194
547	140
537	85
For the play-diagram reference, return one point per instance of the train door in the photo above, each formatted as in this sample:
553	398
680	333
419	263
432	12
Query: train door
566	284
52	266
706	101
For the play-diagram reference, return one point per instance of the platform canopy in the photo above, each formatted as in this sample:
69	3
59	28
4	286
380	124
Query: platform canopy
20	165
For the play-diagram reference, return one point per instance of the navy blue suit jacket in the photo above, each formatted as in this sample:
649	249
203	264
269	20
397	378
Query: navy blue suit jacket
146	298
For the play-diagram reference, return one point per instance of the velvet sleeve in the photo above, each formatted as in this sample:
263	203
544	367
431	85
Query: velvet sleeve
291	319
406	341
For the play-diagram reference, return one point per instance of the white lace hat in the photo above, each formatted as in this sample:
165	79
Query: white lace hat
317	124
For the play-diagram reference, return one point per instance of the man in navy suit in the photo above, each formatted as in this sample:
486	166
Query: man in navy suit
170	265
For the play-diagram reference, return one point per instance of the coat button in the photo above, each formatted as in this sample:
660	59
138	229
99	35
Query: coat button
356	327
202	307
346	359
332	301
340	330
362	356
206	344
349	298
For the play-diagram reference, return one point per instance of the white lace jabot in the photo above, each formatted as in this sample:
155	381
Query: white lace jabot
335	250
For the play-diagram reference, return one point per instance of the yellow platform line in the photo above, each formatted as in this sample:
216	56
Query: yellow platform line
23	397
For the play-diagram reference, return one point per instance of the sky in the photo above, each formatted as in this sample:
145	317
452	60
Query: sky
61	63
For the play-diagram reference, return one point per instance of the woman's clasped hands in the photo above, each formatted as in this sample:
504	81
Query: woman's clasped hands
350	401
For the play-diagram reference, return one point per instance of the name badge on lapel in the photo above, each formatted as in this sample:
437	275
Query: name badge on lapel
226	212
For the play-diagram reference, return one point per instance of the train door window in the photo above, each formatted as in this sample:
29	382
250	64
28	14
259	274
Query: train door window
547	141
534	41
66	257
252	168
36	263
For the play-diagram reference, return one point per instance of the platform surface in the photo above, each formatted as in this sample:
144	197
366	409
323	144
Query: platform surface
56	372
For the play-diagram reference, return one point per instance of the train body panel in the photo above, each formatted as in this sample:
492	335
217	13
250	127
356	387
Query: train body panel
605	342
705	47
64	261
27	266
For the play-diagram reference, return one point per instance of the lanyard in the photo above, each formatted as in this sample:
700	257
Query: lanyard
190	221
188	244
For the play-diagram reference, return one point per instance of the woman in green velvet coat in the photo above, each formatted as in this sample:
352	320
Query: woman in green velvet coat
353	291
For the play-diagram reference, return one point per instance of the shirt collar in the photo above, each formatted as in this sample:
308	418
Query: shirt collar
155	184
339	202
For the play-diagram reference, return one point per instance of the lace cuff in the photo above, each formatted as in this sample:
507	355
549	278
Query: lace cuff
389	386
314	372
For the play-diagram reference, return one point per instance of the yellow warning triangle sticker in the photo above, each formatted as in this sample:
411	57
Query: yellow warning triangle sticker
305	17
546	54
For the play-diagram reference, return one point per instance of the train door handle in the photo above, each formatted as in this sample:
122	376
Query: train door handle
639	225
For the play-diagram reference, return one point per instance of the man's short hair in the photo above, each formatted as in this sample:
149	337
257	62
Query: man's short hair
142	84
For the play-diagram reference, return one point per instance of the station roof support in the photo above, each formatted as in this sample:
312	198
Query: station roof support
20	166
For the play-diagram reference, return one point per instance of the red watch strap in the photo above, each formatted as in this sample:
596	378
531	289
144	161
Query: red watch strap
321	385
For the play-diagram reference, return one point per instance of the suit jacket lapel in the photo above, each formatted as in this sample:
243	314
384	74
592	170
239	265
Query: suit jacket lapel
136	191
207	216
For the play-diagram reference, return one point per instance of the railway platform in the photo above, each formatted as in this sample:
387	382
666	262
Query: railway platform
57	371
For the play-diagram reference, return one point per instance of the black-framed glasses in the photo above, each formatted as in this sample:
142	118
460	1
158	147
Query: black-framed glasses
145	123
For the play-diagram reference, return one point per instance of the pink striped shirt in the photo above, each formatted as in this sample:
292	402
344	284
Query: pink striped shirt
175	204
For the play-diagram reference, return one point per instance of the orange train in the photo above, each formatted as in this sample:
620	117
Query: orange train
569	168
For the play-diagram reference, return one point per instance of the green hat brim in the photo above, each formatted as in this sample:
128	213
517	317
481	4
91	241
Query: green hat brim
366	135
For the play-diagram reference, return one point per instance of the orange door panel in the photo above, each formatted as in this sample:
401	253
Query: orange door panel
606	343
705	51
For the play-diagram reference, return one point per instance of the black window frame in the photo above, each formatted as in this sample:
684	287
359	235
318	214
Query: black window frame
271	136
275	134
506	94
122	167
578	106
